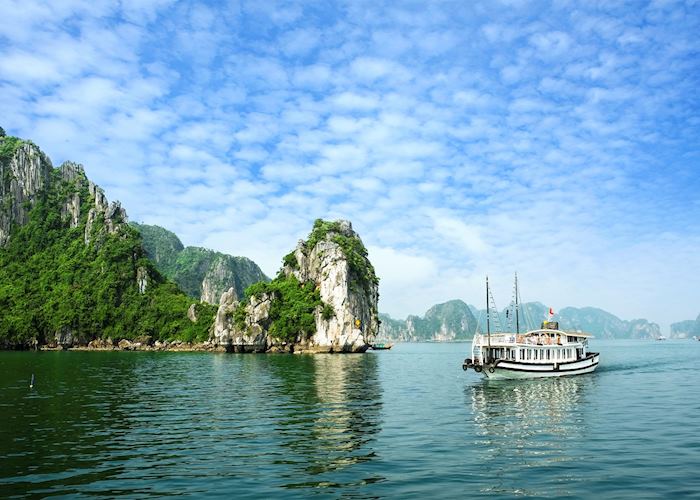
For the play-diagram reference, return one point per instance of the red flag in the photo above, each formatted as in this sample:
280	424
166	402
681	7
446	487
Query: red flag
551	311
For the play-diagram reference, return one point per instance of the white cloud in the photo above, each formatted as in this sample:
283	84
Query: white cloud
460	141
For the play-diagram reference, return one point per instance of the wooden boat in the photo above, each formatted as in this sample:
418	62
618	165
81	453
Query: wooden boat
379	346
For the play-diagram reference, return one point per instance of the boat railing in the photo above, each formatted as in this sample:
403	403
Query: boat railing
512	338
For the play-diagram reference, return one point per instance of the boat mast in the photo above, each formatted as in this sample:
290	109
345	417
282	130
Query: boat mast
517	306
488	312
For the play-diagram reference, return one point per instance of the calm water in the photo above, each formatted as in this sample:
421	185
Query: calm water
402	423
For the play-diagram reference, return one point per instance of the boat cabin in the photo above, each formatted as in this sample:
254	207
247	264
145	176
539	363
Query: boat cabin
546	345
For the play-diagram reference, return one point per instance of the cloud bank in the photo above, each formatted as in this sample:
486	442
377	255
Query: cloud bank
552	138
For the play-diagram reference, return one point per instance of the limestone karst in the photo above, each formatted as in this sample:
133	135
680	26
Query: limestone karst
324	299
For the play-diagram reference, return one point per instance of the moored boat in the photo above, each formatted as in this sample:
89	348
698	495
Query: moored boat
544	352
380	346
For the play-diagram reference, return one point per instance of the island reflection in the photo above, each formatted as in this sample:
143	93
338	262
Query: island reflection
331	412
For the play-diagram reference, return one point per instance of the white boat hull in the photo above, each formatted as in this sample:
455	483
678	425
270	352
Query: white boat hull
516	370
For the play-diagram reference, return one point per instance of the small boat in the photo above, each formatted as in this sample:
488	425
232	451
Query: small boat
545	352
660	337
379	346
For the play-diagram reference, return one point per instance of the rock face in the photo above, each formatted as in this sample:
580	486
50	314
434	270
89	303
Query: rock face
202	273
332	264
24	172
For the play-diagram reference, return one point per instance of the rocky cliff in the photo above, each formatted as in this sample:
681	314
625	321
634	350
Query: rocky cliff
202	273
71	269
686	329
24	173
324	299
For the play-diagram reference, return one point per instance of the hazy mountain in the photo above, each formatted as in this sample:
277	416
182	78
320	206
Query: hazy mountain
441	322
202	273
686	329
451	320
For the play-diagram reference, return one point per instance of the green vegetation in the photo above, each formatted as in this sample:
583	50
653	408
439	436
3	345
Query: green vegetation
189	266
292	308
52	283
290	260
8	147
327	312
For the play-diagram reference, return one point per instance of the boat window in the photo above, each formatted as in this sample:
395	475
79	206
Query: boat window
547	353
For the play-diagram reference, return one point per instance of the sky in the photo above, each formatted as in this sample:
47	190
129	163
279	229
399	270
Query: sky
557	139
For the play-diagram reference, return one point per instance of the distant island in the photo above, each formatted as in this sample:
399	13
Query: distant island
686	329
455	320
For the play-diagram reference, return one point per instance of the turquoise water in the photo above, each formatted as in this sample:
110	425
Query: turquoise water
405	423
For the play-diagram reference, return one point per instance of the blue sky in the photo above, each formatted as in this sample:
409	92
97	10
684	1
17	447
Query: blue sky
558	139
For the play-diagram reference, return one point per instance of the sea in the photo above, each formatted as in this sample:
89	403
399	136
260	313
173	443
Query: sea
402	423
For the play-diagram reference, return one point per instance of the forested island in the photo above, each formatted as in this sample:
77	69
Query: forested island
75	274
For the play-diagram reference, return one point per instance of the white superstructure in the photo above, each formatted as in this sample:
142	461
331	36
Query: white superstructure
547	352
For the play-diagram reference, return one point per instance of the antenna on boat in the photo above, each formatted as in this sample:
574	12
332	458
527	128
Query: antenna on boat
488	312
517	306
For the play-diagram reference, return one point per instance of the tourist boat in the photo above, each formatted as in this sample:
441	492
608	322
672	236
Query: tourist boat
546	352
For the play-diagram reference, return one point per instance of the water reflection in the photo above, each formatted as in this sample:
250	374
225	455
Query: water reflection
156	423
528	425
55	434
333	412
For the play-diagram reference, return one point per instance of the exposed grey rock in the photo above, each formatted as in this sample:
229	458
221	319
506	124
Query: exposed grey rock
223	323
125	345
26	175
92	214
64	337
192	313
218	276
142	279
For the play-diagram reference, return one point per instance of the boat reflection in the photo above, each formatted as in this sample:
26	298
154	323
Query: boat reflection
528	424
